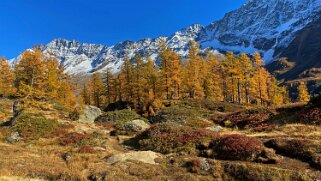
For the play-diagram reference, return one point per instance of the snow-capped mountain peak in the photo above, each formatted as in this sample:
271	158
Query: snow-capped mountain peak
266	26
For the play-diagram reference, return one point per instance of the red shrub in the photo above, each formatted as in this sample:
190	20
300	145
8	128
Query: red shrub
169	138
311	116
250	118
237	147
73	138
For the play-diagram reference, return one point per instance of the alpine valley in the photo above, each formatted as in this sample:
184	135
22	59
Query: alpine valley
236	100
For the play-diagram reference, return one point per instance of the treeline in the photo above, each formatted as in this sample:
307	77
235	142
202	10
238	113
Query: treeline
35	80
237	79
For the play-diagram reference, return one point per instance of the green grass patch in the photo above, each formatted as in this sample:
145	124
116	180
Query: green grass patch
119	118
31	126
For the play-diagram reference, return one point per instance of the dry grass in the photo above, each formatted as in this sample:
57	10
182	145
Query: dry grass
46	159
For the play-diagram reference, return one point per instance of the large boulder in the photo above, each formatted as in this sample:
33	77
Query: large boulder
141	156
89	114
136	125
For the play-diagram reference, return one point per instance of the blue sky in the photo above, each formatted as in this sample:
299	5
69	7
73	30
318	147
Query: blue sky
24	23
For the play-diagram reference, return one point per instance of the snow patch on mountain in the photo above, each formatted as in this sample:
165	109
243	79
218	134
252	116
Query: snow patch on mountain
264	26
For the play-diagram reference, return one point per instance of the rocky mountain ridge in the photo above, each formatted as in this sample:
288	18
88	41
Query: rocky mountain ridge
266	26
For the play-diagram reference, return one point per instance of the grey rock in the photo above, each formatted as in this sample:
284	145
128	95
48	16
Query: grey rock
205	165
141	156
19	165
136	125
14	137
90	113
215	128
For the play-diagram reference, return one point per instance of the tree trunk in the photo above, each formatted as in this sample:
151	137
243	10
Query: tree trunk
15	115
239	99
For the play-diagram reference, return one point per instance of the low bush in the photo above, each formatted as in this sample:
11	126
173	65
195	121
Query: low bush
172	138
31	126
305	150
250	118
236	147
74	138
311	116
255	172
183	115
213	105
305	114
118	118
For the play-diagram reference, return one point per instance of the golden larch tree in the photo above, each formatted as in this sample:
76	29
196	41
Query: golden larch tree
7	78
192	72
212	80
303	93
31	75
170	71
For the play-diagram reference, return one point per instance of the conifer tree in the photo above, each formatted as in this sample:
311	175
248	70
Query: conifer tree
120	87
212	82
52	77
39	79
230	72
66	95
97	87
6	78
109	81
152	93
152	78
260	76
303	93
86	94
246	69
138	81
170	72
31	75
277	95
192	73
127	76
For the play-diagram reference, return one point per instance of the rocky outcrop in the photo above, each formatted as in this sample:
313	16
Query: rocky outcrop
303	53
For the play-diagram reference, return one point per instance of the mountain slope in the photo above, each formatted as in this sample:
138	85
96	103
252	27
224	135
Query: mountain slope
266	26
303	52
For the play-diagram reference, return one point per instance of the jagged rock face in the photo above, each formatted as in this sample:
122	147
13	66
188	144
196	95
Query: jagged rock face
267	26
261	25
304	51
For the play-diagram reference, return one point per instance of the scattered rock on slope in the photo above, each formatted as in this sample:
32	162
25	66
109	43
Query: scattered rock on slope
14	137
141	156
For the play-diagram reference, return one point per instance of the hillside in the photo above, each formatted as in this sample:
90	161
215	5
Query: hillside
304	53
106	149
